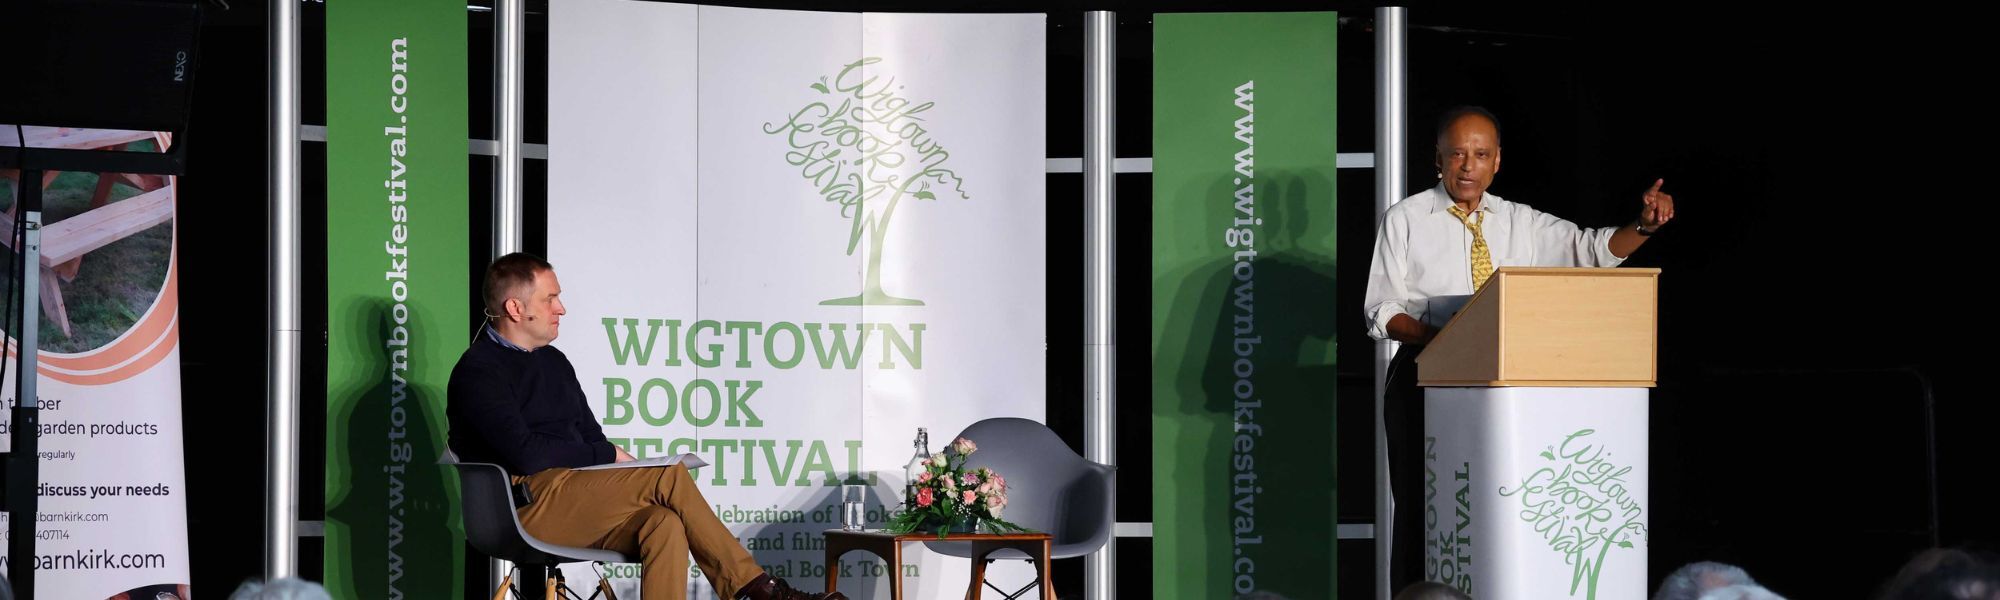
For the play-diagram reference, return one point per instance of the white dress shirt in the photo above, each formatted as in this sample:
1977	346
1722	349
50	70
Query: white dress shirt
1423	254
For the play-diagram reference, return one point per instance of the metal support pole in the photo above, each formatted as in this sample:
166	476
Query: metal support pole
1100	270
281	477
1390	151
509	28
23	469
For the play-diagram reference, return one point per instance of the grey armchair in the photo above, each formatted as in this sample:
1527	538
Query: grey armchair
487	502
1049	489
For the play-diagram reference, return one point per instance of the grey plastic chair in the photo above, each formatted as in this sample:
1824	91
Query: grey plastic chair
487	501
1049	489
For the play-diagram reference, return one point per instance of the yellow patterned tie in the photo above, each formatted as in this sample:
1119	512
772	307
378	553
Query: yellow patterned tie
1482	261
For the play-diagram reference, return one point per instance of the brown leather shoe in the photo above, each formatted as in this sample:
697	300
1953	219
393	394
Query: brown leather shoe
766	587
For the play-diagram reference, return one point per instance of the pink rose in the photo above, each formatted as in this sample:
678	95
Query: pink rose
924	478
924	498
964	446
969	496
969	479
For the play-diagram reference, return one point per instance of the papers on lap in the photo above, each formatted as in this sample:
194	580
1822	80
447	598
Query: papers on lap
692	462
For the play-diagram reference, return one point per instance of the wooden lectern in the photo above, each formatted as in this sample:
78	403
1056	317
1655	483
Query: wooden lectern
1535	426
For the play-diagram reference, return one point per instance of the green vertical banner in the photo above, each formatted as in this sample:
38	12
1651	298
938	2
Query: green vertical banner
1243	305
397	315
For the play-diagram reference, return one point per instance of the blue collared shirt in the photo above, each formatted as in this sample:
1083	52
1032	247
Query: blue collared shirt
494	334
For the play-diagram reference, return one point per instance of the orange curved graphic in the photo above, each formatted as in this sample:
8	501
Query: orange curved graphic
142	347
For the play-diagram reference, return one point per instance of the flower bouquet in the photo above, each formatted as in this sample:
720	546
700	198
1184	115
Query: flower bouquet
947	497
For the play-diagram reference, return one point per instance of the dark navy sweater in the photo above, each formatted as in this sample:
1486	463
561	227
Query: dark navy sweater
524	411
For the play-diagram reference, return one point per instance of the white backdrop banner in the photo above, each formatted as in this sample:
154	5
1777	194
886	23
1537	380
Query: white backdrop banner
112	520
789	239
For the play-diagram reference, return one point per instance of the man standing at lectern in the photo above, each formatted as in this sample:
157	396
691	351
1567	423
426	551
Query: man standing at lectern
1433	251
514	400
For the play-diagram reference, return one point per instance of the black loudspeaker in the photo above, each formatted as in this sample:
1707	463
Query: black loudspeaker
100	64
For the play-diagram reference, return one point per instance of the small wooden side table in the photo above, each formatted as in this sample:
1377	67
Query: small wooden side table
889	546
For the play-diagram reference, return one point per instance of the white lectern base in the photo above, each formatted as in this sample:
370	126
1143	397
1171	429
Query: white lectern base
1536	493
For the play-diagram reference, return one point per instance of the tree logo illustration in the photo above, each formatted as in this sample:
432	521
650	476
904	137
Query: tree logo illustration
865	147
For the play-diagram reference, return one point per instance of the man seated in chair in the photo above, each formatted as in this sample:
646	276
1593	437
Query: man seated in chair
514	400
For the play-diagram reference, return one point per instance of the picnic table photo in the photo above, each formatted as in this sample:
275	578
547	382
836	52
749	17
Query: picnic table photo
107	218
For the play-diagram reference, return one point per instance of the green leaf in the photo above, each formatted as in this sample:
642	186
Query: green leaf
998	525
924	196
819	86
